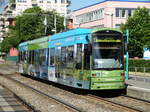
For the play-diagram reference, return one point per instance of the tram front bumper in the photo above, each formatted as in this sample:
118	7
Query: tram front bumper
107	85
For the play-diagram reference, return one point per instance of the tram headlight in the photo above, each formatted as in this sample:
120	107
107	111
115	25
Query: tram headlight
94	75
122	74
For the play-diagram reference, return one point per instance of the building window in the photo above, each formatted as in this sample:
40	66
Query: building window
34	5
117	25
48	1
41	1
91	16
129	13
124	12
117	12
62	1
22	1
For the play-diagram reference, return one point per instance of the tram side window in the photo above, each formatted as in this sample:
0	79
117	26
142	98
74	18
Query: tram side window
52	52
79	57
42	57
21	56
31	57
58	56
63	56
36	57
25	56
70	57
86	57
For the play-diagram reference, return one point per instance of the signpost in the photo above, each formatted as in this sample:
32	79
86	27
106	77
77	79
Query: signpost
146	54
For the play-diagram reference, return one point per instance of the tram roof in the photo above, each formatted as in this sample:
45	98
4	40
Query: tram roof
23	44
69	33
39	40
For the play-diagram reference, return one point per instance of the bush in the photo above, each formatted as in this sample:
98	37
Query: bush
139	63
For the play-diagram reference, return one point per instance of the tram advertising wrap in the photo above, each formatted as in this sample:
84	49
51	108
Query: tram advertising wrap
91	59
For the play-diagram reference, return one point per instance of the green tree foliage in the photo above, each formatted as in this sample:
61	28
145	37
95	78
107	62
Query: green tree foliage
30	26
139	31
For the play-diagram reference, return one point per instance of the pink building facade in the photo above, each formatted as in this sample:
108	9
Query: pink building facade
108	13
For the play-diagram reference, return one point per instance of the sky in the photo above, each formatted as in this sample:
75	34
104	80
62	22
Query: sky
76	4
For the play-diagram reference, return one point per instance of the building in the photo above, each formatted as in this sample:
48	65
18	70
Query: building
16	7
108	13
59	5
9	9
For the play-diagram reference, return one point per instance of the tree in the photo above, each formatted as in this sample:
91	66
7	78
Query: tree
30	26
139	31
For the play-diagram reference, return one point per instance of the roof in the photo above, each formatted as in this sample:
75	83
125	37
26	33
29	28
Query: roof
69	33
146	1
39	40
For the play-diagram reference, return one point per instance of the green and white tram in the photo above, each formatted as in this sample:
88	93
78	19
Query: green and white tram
90	59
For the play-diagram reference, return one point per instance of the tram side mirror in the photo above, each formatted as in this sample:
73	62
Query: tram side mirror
126	47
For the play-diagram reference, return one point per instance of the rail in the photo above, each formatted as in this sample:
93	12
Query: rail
127	108
142	71
67	105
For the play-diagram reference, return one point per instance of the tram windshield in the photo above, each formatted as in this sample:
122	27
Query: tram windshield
107	52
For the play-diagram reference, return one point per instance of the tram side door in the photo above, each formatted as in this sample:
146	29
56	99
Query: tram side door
57	61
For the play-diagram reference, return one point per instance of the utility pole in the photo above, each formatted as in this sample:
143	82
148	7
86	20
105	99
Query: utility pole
45	24
65	22
55	23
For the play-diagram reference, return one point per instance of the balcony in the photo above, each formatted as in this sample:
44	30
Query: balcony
12	4
34	2
9	16
68	3
12	1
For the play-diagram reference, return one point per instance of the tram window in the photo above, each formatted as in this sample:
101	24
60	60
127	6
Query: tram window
21	56
36	57
52	52
86	57
79	57
70	56
25	56
33	56
42	57
70	53
30	56
63	56
58	56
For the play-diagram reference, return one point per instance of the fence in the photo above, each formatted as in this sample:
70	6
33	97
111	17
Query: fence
145	71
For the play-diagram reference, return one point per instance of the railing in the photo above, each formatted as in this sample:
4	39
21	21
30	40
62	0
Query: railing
144	71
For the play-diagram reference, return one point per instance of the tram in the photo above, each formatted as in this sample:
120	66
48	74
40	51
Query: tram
91	59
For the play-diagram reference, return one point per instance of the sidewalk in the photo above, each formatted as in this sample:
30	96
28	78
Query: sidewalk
139	81
8	67
139	86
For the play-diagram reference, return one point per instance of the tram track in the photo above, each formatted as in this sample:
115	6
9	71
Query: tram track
77	100
28	106
69	106
124	102
91	99
127	108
